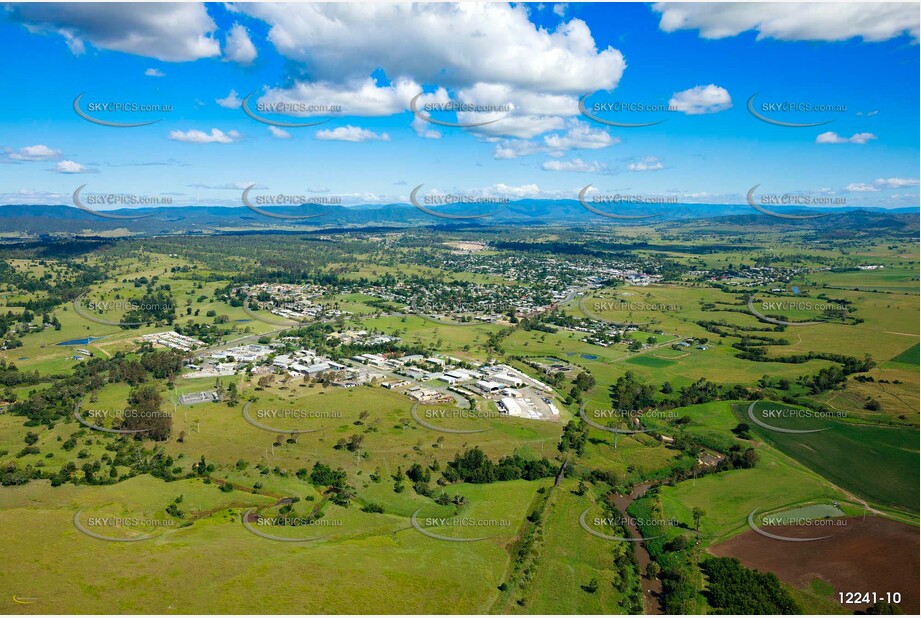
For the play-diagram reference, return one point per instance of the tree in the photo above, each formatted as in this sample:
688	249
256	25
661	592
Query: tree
146	414
698	514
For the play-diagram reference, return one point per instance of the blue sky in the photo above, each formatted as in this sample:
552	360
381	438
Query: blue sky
704	60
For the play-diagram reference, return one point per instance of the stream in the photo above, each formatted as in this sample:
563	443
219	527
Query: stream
652	588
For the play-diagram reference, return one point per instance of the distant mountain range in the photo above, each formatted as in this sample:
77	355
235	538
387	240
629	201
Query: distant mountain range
29	221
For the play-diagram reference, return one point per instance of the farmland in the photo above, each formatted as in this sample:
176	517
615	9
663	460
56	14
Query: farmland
359	440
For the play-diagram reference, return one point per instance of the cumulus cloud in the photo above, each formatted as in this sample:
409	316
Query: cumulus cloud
522	127
238	47
154	73
279	133
861	187
72	167
578	136
871	21
350	133
516	192
489	42
231	101
830	137
39	152
424	129
646	164
171	32
194	136
357	97
574	165
496	55
882	183
701	100
896	183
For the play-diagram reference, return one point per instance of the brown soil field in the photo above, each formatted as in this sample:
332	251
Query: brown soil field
873	555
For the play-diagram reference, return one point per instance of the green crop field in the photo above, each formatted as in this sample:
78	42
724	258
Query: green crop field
874	462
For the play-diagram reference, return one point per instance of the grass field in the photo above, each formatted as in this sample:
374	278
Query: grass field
877	463
369	553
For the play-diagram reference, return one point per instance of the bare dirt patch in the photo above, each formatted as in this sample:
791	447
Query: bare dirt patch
873	555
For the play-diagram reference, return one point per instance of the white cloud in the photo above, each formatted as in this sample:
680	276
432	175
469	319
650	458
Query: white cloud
154	73
701	100
646	164
454	44
579	136
496	56
29	196
528	113
896	183
519	192
72	167
349	133
807	21
357	97
861	187
238	47
523	127
830	137
560	8
229	186
39	152
279	133
231	101
574	165
424	129
194	136
171	32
